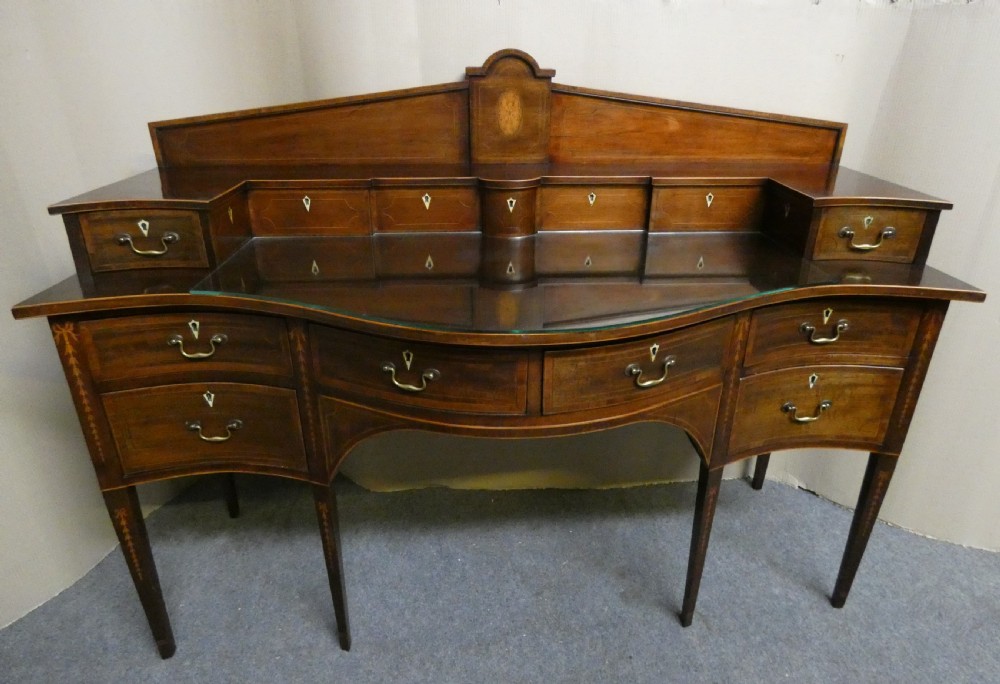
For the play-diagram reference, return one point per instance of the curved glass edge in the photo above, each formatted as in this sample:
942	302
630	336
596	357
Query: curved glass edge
352	276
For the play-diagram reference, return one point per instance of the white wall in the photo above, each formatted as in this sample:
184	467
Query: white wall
79	81
936	130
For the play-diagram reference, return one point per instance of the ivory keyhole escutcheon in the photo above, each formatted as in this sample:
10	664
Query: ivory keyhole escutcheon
195	327
709	198
306	202
315	268
510	204
701	263
209	398
429	264
230	214
591	198
143	227
407	359
653	351
827	313
868	222
588	262
426	199
813	379
510	268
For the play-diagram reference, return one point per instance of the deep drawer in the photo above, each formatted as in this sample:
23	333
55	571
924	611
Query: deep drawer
207	425
128	239
433	255
649	370
700	254
430	376
832	331
140	348
310	211
604	252
847	406
877	233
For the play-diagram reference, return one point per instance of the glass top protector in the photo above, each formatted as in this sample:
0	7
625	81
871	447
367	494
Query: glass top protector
352	276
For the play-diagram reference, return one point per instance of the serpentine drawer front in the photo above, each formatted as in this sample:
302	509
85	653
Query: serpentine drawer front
852	331
814	405
206	424
865	232
656	369
441	377
504	257
183	346
149	238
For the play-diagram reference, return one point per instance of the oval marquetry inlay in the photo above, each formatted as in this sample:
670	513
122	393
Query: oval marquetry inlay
509	113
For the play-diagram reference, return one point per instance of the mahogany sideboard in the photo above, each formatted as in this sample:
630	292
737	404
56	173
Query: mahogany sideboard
503	256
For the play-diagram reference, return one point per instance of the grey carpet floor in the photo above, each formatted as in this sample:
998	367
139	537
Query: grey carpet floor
530	586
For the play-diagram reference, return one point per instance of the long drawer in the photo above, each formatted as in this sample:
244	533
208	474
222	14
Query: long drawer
814	406
182	346
654	369
833	330
430	376
207	425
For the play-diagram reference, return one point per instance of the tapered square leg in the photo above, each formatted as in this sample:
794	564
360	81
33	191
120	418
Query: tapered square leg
123	507
873	488
704	511
329	527
760	470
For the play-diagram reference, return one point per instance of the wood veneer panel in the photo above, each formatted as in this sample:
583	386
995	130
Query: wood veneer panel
590	127
419	126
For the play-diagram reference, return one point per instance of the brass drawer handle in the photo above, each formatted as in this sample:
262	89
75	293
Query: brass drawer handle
789	407
178	341
884	234
168	238
634	370
810	330
231	427
427	376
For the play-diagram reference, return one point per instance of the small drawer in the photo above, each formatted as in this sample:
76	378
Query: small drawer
603	252
434	255
655	369
310	211
706	207
140	348
877	233
206	426
313	260
700	254
832	331
847	406
429	376
582	207
427	208
124	240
